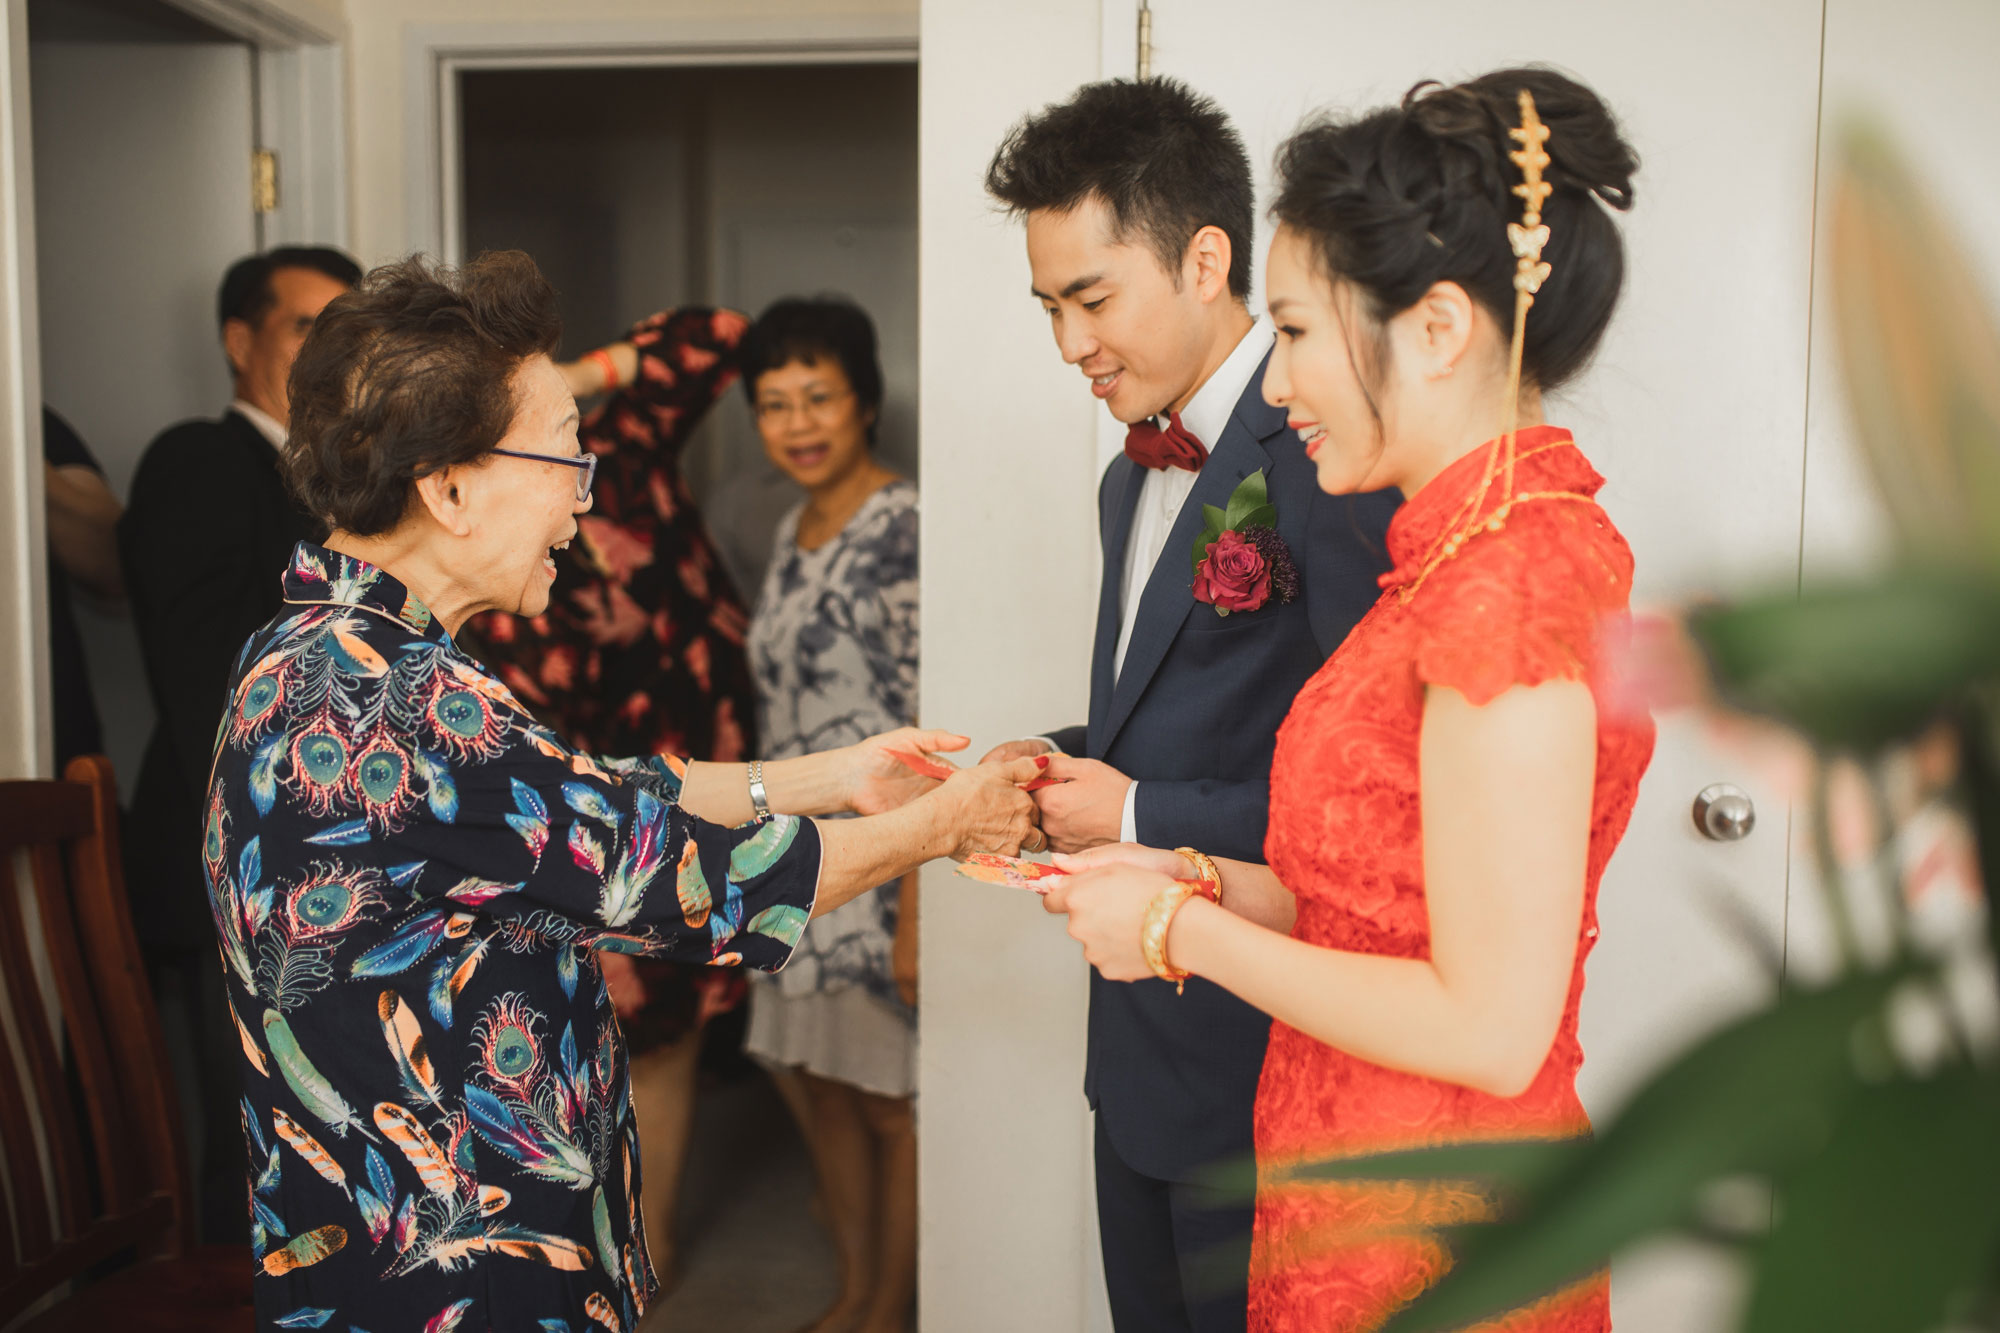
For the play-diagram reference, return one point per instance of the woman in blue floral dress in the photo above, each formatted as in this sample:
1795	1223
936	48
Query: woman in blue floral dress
833	643
409	874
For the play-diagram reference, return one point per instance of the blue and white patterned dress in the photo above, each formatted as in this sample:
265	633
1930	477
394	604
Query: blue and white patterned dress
833	644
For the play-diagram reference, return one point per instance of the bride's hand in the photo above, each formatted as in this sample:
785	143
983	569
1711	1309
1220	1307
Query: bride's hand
1156	859
1107	909
878	782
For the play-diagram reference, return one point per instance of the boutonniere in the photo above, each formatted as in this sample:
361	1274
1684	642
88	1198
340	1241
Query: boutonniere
1240	561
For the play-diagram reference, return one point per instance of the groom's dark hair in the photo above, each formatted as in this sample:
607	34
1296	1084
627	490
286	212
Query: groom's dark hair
1164	159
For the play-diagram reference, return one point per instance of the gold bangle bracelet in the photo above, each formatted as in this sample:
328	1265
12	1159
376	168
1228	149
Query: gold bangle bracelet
1153	934
1204	871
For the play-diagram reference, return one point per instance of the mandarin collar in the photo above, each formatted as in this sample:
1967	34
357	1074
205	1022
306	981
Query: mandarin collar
320	577
1546	459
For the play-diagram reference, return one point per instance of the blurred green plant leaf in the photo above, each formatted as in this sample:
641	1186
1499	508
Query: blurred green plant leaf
1860	666
1920	356
1753	1099
1891	1228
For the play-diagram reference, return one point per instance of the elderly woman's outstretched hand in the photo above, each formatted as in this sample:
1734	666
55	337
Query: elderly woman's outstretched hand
992	813
878	781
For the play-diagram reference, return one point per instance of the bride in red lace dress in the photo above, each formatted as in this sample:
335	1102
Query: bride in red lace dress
1447	789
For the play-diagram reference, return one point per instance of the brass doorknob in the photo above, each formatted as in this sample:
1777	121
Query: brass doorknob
1724	813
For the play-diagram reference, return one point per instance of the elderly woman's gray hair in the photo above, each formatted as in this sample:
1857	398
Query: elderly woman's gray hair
411	372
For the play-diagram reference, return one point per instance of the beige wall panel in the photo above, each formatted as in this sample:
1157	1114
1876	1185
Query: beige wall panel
1010	590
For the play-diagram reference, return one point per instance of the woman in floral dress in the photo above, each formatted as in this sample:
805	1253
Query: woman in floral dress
641	648
1448	788
834	646
411	877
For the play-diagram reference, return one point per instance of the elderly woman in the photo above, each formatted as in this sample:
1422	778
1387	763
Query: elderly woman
410	875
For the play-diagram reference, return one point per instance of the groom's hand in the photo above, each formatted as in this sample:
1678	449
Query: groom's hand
1087	806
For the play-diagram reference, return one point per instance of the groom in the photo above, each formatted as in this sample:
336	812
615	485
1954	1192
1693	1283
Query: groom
1138	203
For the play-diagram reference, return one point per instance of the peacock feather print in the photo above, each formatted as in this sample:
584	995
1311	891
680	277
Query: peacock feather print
407	875
522	1108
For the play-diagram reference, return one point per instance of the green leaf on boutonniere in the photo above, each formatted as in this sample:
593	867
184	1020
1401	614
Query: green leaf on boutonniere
1250	504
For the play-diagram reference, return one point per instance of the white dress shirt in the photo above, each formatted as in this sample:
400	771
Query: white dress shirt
269	426
1162	493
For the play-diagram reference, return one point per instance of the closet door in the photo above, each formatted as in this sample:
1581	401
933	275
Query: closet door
1695	411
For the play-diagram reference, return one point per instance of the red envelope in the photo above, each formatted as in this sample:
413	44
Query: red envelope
932	767
1013	871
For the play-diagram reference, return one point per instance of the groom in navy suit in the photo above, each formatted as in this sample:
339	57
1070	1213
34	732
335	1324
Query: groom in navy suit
1138	204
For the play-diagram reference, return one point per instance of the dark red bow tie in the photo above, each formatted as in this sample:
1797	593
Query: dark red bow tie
1149	446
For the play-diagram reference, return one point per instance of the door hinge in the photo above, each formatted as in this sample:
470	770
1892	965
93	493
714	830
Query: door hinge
263	181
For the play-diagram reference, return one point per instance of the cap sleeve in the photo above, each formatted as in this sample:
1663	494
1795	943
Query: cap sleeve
1524	605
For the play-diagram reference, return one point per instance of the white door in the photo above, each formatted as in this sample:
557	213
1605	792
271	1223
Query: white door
142	131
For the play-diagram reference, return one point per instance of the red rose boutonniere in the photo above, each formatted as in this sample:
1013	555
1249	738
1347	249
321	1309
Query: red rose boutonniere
1240	561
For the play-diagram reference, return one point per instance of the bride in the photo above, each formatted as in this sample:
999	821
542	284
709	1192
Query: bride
1447	789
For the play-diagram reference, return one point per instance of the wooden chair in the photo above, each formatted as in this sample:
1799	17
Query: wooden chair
87	1186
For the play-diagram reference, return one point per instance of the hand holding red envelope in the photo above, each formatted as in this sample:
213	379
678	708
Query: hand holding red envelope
931	766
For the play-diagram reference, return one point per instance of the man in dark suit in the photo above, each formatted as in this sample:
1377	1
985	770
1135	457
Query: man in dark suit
1138	204
205	540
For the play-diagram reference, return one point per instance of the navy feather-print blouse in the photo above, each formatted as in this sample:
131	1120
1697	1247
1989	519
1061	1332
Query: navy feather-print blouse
408	875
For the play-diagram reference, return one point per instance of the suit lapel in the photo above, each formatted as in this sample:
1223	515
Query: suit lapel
1123	499
1169	592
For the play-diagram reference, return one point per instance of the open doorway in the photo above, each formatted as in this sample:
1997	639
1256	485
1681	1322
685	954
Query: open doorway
637	189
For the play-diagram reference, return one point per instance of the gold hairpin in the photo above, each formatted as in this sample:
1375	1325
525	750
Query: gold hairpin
1527	237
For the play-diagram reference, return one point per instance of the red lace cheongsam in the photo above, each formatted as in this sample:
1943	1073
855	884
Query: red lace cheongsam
1526	604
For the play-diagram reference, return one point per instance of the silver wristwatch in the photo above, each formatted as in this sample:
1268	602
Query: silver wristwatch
760	802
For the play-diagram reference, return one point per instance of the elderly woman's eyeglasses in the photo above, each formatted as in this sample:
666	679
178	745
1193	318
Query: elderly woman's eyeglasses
586	467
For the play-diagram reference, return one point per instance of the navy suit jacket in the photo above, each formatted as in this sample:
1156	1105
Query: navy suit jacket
1193	718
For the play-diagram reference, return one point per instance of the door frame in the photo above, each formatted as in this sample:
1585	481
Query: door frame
435	55
27	739
300	62
299	69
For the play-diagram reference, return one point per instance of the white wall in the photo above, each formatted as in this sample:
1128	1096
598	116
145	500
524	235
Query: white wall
1010	579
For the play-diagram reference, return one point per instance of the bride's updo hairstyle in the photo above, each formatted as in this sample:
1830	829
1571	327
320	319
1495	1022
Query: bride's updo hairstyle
1422	193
